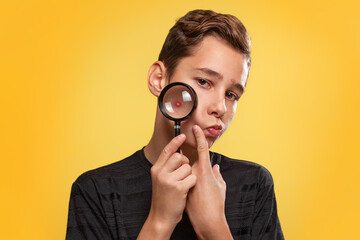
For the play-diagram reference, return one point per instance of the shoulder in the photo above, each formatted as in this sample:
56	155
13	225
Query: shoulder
243	168
121	168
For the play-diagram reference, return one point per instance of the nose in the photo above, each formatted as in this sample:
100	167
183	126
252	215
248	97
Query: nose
217	106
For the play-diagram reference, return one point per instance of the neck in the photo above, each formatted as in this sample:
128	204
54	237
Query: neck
190	153
158	140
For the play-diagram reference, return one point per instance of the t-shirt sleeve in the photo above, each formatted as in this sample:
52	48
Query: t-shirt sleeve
266	224
86	218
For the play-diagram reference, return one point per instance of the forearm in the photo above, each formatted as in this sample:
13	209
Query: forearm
153	229
214	231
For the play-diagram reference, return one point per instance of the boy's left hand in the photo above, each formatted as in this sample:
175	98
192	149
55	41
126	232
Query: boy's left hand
205	203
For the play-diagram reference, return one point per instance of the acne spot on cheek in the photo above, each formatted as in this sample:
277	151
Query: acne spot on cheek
233	80
176	103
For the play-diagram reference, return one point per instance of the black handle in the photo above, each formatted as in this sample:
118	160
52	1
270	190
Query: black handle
177	131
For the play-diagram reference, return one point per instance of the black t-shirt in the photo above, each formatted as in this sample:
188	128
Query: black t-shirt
113	202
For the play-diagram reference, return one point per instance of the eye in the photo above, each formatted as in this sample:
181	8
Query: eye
203	82
231	96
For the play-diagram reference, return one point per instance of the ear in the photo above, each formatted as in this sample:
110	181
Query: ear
157	78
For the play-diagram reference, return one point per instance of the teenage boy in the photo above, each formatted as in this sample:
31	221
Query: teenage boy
158	193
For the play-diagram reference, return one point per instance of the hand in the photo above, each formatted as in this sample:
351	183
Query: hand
171	180
206	200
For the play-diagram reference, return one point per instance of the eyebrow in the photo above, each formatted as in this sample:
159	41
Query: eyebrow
210	72
219	76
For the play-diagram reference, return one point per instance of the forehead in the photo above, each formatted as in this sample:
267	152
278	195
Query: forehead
217	55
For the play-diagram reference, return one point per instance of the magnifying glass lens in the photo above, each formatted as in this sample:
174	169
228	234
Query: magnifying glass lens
178	101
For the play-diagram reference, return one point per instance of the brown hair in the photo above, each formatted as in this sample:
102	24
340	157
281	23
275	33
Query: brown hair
191	29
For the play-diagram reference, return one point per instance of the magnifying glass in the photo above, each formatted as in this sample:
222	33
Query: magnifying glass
177	101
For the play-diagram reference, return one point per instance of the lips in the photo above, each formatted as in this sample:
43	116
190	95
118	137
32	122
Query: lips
215	130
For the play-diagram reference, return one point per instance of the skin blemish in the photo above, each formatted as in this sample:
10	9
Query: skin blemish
233	80
176	103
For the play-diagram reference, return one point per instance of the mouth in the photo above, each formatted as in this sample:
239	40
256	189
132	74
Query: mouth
214	130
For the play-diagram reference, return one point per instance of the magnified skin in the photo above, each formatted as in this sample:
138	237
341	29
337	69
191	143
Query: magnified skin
177	103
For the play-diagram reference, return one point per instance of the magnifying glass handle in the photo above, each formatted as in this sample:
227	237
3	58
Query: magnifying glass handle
177	131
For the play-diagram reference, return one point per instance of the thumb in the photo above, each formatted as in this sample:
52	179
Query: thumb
217	174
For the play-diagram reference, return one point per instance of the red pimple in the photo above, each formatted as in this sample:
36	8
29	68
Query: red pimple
177	103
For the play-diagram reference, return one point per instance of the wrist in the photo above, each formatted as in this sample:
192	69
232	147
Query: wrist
218	229
154	226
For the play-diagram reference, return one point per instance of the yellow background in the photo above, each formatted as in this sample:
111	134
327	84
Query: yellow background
73	97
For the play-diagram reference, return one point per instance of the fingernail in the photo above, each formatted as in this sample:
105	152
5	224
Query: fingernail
181	136
196	128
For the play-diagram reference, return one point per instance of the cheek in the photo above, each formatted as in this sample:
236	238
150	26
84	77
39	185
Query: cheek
229	115
231	109
234	107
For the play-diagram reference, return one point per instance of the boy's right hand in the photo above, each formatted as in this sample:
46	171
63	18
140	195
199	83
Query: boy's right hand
172	179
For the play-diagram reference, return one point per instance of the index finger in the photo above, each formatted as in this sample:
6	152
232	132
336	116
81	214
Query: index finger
202	146
170	148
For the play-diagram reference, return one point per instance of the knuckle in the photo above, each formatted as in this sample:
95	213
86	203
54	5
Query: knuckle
174	159
192	179
201	147
179	187
157	177
166	150
177	156
167	182
202	171
160	177
185	159
164	181
187	168
153	170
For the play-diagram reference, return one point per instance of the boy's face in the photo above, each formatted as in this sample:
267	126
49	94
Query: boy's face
218	74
